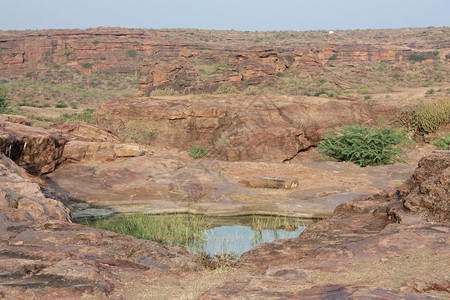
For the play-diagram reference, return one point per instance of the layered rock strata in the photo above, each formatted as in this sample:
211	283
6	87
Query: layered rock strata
43	255
201	61
233	128
40	151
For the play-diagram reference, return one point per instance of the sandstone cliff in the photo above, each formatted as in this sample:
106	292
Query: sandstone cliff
196	60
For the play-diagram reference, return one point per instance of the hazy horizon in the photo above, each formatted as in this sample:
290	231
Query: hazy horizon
243	15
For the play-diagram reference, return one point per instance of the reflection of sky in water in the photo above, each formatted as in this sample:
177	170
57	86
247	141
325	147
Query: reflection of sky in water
239	239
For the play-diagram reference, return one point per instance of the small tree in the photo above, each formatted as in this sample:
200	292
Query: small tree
3	100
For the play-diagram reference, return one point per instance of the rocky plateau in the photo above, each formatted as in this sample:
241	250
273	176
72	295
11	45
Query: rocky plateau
44	255
383	231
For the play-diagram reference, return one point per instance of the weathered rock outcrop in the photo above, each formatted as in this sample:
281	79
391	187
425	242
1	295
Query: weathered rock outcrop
376	246
259	128
189	73
37	150
43	255
40	151
428	190
20	191
163	183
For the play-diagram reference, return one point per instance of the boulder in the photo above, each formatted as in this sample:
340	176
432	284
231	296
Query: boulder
45	256
35	149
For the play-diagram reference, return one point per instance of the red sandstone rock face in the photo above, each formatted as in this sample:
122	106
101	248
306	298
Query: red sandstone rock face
40	151
428	189
45	256
259	128
201	61
37	150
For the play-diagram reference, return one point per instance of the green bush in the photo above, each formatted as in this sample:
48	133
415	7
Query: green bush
197	152
65	52
442	143
131	52
333	57
364	145
407	117
87	65
3	100
61	105
416	57
87	116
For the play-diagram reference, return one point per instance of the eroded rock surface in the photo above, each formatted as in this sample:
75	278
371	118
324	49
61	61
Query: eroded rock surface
164	183
393	244
40	151
35	149
234	128
370	247
43	255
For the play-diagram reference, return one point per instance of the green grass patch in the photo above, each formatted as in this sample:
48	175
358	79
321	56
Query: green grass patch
87	116
442	143
167	229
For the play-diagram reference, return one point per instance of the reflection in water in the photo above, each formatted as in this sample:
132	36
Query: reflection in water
202	234
237	239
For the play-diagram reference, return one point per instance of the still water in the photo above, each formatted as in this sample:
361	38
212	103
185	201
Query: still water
203	234
238	239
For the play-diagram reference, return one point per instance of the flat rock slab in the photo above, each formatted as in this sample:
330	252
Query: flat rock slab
273	182
159	184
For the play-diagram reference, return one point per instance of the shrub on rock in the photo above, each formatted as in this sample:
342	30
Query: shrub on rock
364	145
197	152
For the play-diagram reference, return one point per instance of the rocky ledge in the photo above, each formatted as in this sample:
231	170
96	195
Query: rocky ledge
43	255
237	128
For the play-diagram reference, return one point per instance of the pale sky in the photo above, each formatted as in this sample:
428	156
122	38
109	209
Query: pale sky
226	14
